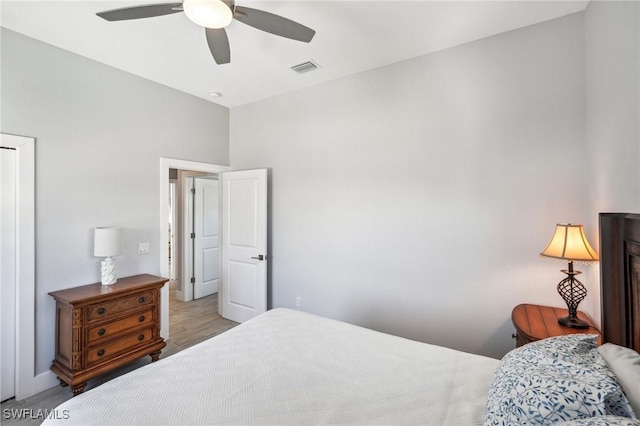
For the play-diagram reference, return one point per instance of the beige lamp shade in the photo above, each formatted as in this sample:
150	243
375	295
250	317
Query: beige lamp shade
107	242
570	243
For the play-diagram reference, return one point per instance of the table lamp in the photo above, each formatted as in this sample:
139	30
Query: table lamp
106	243
570	243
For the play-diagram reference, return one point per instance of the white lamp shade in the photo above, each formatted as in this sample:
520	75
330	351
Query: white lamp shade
208	13
107	242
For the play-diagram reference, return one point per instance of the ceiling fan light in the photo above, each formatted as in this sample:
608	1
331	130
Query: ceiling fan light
208	13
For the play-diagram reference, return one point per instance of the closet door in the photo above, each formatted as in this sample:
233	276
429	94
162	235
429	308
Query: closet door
8	271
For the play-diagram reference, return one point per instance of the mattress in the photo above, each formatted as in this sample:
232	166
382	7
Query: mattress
289	367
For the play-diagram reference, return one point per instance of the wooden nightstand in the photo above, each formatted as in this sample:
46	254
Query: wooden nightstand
102	327
535	322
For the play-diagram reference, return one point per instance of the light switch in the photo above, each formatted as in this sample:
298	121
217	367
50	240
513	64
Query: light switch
143	248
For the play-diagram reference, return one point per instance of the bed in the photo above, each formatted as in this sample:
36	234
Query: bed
290	367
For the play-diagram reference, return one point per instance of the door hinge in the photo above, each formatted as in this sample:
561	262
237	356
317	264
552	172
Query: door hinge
193	191
193	280
193	235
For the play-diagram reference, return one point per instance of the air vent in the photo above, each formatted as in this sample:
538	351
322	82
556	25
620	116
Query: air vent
305	67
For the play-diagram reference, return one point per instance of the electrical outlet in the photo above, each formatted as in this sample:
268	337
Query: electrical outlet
298	301
143	248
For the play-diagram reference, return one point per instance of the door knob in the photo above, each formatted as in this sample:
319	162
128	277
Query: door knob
260	257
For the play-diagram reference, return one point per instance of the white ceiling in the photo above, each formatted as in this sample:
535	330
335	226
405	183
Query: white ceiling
351	37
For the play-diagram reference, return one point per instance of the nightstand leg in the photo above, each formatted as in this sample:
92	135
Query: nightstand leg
78	389
62	382
155	355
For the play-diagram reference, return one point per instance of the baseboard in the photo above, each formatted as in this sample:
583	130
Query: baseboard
44	381
180	295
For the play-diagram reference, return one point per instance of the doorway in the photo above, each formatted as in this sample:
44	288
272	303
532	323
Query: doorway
166	165
195	235
244	239
203	227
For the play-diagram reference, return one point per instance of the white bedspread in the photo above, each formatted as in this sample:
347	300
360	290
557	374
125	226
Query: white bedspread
288	367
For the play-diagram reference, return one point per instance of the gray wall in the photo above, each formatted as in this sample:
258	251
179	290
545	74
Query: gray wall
415	198
100	133
613	112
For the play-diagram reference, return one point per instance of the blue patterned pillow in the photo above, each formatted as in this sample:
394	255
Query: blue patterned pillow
552	380
602	421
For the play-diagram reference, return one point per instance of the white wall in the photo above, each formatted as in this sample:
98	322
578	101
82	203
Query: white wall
100	133
415	198
612	115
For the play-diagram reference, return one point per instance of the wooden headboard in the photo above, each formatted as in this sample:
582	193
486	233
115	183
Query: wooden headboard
620	278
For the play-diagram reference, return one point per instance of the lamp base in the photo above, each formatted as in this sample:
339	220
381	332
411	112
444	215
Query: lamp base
572	322
108	271
572	291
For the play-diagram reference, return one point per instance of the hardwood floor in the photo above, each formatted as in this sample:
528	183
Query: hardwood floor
190	323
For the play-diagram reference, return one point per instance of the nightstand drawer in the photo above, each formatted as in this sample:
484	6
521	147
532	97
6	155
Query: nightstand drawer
520	340
107	330
100	353
103	310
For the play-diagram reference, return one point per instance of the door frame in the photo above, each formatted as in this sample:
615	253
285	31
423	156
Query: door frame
166	164
25	380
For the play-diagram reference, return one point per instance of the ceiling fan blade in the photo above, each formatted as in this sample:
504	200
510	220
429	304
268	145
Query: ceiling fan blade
138	12
218	45
273	24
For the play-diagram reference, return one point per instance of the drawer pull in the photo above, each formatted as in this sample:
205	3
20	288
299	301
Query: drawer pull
141	300
102	310
141	337
141	318
101	331
101	352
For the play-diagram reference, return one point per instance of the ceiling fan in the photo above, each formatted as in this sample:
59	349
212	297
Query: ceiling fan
214	16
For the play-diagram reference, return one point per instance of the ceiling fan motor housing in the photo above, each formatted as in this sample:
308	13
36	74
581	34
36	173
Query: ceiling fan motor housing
208	13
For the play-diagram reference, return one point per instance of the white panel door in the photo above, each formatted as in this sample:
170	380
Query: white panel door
8	271
244	244
206	228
